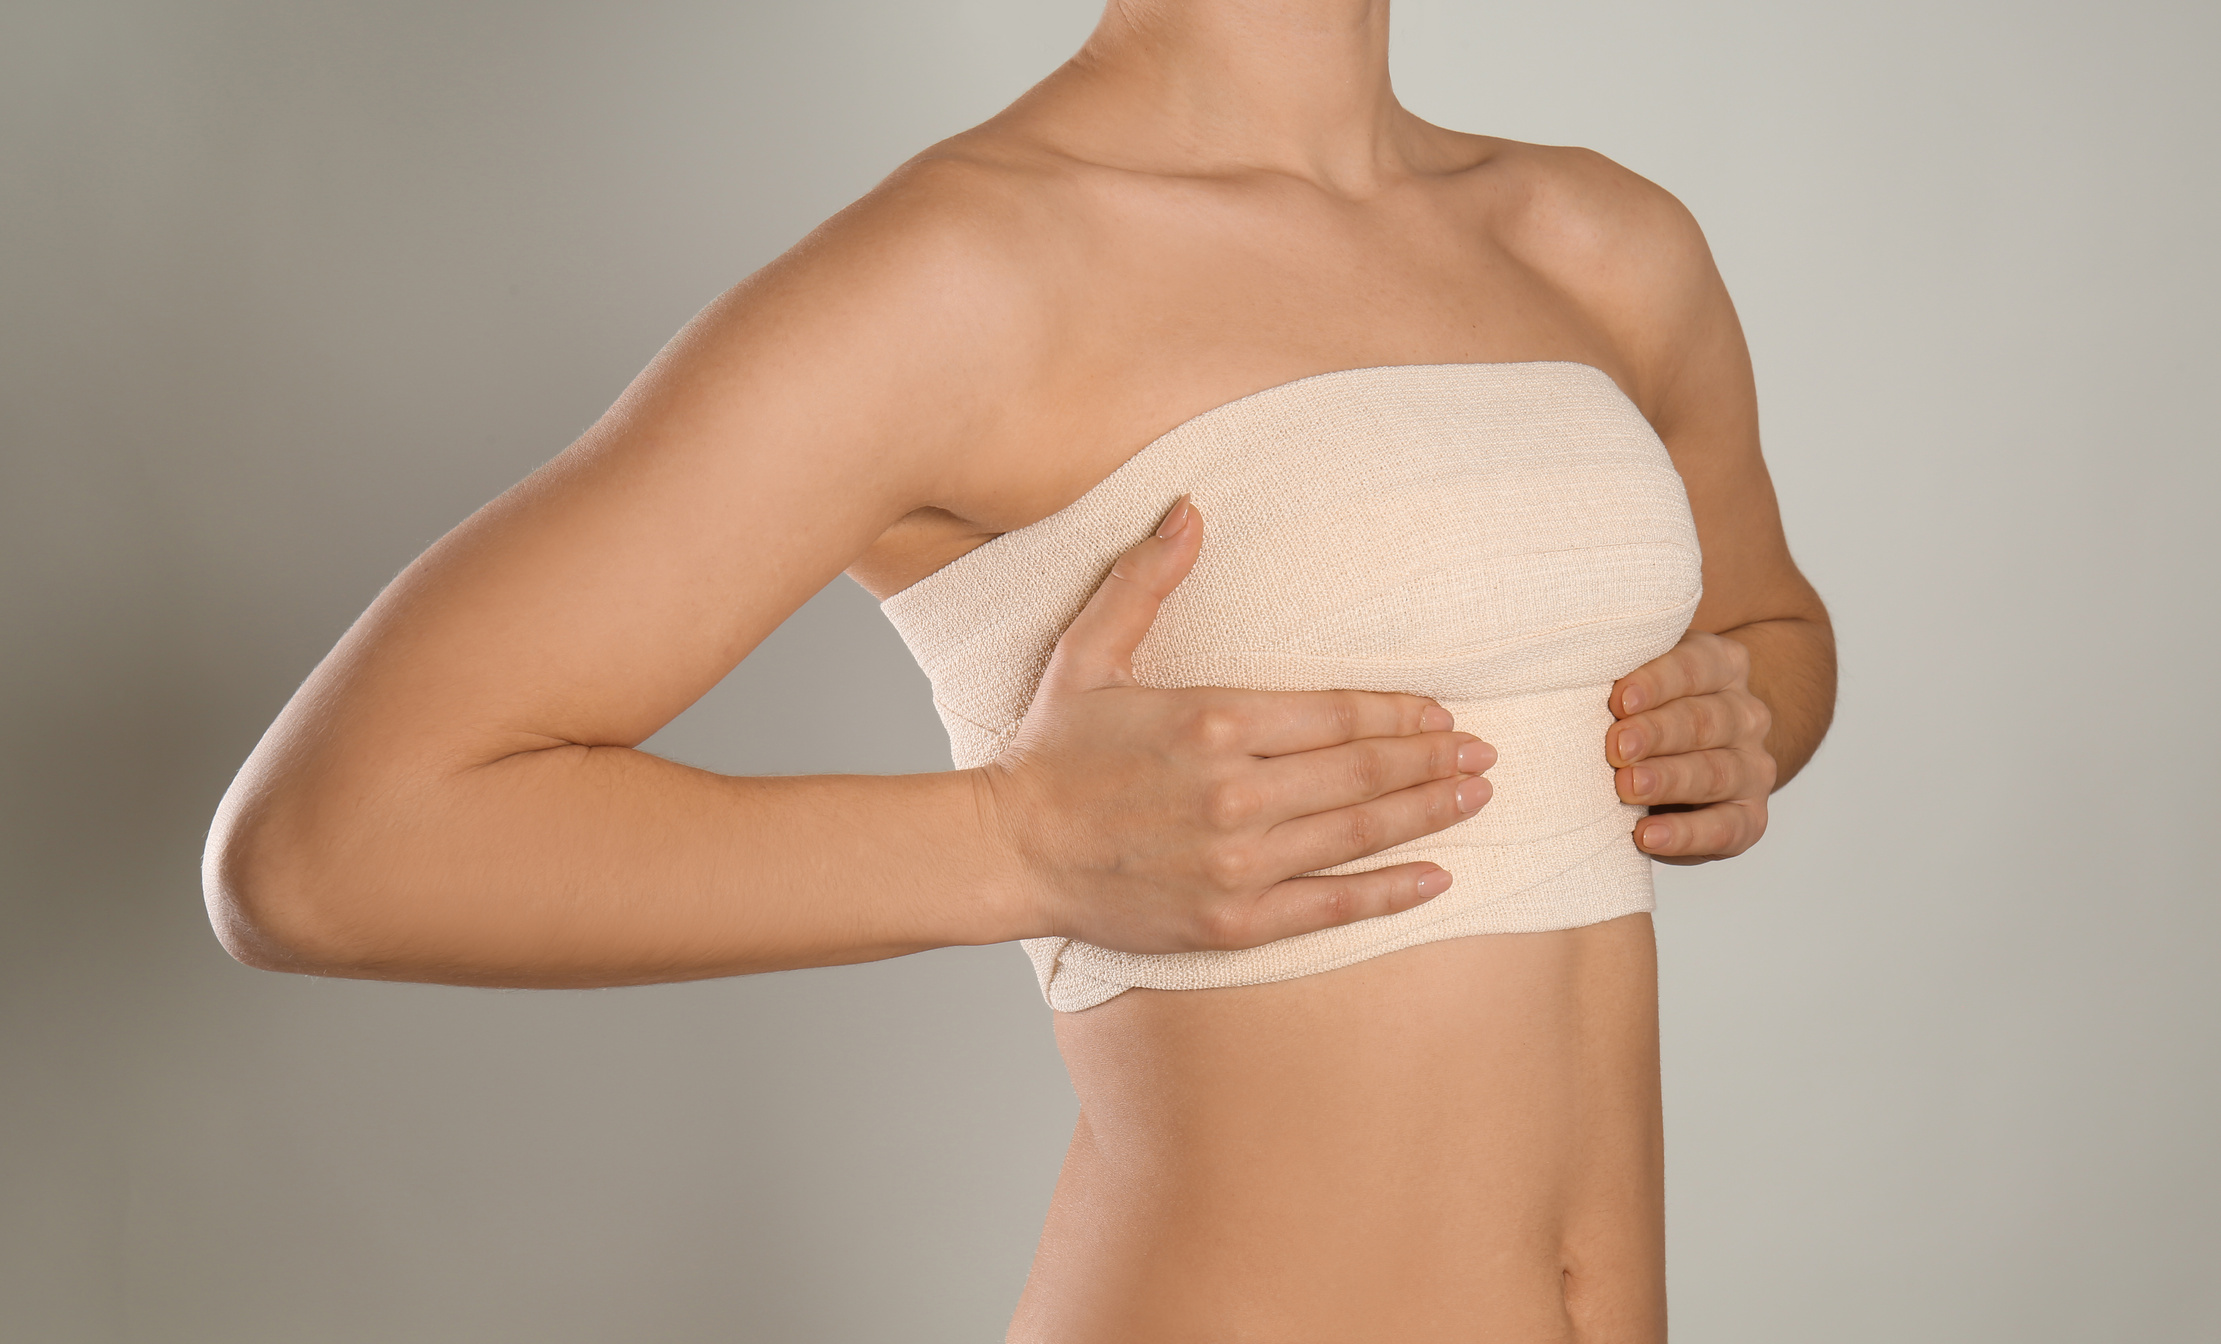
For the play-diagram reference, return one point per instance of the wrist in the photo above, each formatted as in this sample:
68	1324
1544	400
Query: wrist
999	881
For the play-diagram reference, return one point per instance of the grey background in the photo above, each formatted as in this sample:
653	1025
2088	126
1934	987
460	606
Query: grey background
290	288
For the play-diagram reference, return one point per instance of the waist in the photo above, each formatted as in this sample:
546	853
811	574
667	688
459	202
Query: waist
1422	1145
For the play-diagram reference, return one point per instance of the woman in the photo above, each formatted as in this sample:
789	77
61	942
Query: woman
1206	299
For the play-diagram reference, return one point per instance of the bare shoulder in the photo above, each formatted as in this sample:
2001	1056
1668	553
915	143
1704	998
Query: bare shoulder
935	238
1576	202
902	321
1625	251
954	224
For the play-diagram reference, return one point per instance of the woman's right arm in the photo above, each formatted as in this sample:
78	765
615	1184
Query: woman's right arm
456	793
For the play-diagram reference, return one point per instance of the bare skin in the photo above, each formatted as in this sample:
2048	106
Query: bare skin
1457	1141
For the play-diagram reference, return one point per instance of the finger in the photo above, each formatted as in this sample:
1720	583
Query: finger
1097	649
1324	839
1692	723
1697	777
1280	723
1355	772
1720	831
1304	904
1699	665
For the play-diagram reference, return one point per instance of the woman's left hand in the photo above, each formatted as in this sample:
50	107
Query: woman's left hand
1691	744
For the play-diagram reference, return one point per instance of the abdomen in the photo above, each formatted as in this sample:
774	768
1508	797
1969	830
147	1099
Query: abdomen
1457	1141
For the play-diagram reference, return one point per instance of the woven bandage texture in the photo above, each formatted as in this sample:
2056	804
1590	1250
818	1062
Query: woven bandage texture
1509	539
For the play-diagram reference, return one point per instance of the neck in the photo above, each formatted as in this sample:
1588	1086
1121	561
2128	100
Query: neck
1291	86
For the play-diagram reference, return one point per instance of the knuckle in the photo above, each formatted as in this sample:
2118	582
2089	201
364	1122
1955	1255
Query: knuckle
1694	834
1362	831
1728	830
1229	805
1338	903
1769	774
1368	771
1222	927
1230	868
1758	718
1710	720
1695	723
1345	714
1216	728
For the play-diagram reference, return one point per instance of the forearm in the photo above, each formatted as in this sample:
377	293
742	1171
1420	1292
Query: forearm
580	866
1792	670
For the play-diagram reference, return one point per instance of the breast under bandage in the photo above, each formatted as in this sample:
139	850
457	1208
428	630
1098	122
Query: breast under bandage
1509	539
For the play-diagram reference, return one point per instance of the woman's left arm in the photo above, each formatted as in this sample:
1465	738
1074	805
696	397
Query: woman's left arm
1707	730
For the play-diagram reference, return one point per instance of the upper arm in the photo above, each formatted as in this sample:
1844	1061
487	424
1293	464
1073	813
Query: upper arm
1634	258
765	447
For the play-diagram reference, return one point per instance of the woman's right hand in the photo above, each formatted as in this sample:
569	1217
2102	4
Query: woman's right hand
1149	820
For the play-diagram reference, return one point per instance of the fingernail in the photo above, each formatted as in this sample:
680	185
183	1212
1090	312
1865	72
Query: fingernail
1641	782
1653	837
1174	520
1474	757
1631	699
1630	747
1471	794
1436	719
1435	883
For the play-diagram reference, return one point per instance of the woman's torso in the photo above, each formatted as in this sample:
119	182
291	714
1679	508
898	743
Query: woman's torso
1456	1141
1456	1136
1507	539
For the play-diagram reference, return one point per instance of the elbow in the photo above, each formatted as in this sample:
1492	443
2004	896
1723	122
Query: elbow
272	904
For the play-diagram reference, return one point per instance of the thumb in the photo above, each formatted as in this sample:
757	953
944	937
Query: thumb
1097	649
